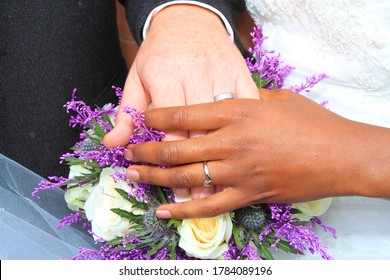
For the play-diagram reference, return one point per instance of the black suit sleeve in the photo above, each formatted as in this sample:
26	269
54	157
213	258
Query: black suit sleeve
137	12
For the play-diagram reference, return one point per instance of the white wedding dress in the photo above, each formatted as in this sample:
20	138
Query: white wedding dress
350	41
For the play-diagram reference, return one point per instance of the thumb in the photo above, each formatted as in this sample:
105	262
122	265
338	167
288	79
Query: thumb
135	96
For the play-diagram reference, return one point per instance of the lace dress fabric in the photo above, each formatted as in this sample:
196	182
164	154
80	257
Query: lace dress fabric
347	39
350	41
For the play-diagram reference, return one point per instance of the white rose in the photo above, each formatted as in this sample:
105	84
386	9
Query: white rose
312	209
206	238
75	196
105	223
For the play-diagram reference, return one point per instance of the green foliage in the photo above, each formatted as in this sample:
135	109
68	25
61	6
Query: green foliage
133	200
127	215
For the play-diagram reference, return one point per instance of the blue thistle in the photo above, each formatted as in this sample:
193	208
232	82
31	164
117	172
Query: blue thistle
251	217
154	224
88	145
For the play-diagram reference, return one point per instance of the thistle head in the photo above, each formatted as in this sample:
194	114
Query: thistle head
87	145
251	217
154	224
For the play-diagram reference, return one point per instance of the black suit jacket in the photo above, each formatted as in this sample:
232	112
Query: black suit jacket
138	11
47	48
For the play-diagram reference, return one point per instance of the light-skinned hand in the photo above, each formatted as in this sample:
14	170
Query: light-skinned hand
186	58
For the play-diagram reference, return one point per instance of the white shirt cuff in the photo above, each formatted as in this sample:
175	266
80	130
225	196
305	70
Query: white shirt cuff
229	28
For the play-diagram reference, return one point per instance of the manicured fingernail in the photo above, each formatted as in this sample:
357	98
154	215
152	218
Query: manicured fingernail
205	192
128	154
132	174
163	214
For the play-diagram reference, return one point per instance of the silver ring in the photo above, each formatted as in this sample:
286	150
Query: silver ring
223	96
208	180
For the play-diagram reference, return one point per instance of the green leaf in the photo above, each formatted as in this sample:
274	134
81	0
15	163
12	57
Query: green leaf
237	234
132	200
274	85
115	241
126	214
285	246
84	163
295	211
282	245
161	195
265	252
157	247
263	249
260	83
173	222
172	249
106	118
98	131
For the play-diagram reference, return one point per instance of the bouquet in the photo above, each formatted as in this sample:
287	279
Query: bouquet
120	214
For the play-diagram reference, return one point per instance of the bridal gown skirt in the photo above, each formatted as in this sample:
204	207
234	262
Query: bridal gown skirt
28	225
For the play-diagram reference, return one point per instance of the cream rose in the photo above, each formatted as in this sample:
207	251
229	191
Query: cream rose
312	208
206	238
76	196
105	223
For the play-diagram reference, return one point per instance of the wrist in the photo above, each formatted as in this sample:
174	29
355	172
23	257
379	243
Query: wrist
188	16
367	161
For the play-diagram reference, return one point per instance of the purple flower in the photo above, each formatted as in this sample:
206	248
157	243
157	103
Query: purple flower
250	253
265	66
56	183
125	251
300	237
85	116
310	83
235	253
72	219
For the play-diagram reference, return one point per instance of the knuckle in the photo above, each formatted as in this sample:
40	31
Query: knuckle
211	209
168	153
150	118
195	209
236	145
136	152
240	115
181	213
147	175
240	145
180	118
182	178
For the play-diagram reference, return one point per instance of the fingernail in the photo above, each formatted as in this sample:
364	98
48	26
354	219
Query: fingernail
128	154
163	214
205	192
132	174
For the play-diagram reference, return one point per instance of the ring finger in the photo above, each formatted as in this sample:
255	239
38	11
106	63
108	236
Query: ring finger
185	176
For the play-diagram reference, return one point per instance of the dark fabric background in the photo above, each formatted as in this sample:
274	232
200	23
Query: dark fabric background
48	48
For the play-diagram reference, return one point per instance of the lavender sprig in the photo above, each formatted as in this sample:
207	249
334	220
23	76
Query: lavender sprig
56	183
267	69
265	66
282	226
